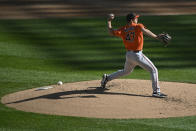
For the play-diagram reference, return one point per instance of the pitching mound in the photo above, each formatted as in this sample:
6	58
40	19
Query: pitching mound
123	98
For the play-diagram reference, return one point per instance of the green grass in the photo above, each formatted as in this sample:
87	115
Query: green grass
40	52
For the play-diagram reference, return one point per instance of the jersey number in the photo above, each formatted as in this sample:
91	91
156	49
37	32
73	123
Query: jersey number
130	36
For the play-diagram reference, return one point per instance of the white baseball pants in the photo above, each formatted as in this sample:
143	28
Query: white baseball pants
133	59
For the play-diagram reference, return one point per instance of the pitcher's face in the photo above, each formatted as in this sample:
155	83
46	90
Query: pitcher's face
135	20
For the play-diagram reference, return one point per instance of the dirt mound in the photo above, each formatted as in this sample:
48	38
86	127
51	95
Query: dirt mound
123	98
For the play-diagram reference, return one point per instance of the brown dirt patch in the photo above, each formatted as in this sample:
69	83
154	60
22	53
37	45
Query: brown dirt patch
123	98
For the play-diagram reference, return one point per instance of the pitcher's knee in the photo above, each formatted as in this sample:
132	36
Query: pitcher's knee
123	72
153	70
126	72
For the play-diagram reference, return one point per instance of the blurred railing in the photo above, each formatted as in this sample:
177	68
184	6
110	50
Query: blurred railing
24	9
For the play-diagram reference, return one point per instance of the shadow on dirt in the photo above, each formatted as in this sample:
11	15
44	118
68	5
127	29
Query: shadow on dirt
90	92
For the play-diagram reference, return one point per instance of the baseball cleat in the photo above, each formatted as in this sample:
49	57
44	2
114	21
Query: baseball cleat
104	80
159	95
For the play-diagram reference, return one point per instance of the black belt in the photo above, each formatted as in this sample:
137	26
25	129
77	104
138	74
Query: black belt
135	51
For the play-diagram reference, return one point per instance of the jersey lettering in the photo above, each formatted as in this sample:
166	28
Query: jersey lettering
130	36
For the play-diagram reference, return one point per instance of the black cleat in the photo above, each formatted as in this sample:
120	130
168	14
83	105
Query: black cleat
159	95
104	80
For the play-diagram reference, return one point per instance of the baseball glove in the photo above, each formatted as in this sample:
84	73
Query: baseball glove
165	38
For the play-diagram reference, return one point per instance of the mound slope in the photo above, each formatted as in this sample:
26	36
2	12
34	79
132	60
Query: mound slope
123	98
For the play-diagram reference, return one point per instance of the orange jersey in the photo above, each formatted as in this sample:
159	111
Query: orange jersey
131	35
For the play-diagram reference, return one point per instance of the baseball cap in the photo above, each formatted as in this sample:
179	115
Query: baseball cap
131	16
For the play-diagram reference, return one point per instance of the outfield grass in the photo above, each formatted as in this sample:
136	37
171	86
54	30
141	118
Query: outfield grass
40	52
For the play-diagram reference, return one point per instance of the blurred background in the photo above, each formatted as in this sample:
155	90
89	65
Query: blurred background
91	8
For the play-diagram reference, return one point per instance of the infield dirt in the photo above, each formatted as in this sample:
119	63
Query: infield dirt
123	98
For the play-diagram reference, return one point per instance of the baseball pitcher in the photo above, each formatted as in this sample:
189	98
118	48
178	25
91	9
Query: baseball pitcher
132	36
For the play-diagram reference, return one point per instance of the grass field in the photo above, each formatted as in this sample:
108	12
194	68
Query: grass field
41	52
